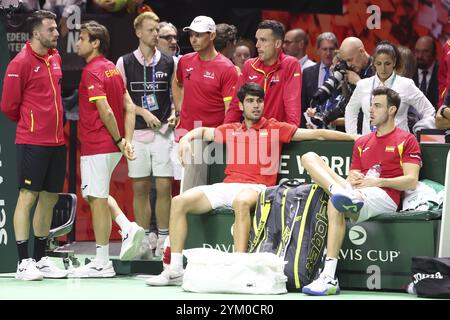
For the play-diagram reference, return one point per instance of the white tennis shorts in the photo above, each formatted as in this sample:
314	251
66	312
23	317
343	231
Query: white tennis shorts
96	171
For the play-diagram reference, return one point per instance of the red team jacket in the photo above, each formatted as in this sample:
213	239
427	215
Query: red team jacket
282	88
32	97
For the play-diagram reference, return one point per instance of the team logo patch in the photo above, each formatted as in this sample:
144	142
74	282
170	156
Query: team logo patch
91	87
209	75
390	149
274	80
263	133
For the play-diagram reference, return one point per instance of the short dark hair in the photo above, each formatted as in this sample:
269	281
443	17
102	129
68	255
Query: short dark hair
250	88
225	33
97	31
35	19
392	97
276	26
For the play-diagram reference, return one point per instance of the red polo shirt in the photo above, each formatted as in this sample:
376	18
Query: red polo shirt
254	154
100	80
390	151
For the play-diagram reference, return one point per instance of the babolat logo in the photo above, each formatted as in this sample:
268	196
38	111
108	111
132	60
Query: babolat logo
357	235
319	236
420	276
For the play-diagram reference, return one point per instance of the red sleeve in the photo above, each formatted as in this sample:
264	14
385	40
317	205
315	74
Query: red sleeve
220	133
442	75
356	156
13	89
179	72
229	80
287	131
292	92
94	85
411	151
234	113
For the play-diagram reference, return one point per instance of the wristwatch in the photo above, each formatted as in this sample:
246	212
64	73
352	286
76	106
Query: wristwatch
177	114
442	112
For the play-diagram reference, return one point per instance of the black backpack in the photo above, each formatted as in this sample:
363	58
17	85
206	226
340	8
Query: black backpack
290	220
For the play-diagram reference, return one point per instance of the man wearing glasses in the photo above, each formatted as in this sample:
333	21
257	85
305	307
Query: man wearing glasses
295	44
168	40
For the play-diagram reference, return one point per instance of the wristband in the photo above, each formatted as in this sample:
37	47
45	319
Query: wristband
116	142
177	114
442	112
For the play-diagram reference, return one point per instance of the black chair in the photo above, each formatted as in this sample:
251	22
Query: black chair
64	214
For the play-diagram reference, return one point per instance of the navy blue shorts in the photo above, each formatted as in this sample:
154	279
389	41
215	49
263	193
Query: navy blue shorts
41	168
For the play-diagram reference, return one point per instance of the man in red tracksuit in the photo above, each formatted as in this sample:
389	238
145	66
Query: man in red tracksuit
32	98
280	76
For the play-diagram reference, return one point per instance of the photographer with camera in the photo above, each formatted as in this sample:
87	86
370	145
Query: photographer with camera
328	104
359	62
352	65
315	76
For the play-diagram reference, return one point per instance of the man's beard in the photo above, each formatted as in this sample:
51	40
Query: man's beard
48	44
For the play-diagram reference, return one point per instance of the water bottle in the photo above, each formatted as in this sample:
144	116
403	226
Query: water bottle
374	171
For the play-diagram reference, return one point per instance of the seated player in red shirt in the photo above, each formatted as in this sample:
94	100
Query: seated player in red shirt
254	148
365	194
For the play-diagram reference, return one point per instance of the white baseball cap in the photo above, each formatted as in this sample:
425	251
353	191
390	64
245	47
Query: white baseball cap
202	24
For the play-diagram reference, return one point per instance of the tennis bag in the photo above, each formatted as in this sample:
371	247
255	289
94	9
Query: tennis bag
290	220
431	276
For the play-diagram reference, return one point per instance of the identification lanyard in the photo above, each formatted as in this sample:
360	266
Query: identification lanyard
372	128
150	102
145	79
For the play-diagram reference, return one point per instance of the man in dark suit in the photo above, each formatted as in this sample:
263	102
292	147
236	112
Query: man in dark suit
314	77
426	76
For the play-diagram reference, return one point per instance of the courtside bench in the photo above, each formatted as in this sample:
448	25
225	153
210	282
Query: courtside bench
376	254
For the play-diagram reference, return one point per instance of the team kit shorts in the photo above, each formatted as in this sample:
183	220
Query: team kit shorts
96	171
41	168
223	194
376	201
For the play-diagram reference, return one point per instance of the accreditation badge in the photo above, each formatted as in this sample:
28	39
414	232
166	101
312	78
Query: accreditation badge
149	102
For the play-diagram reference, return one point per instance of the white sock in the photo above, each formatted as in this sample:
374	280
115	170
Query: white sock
123	222
176	261
162	238
330	267
102	254
335	188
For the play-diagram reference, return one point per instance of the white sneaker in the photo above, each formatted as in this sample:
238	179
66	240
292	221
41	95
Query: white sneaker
26	270
145	253
94	270
50	270
166	278
131	241
322	286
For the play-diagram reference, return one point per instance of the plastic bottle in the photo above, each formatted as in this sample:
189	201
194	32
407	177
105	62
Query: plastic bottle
374	171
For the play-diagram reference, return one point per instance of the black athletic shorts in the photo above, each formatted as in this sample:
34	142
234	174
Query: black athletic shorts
41	168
